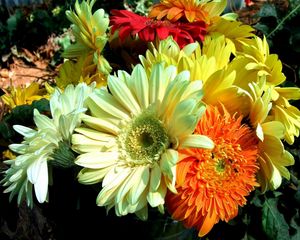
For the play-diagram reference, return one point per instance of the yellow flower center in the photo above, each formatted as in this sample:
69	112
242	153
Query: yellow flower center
143	140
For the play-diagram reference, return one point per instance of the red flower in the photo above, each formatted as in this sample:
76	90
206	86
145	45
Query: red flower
249	2
147	29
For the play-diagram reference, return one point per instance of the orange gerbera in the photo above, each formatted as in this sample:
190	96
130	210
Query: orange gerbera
211	184
187	10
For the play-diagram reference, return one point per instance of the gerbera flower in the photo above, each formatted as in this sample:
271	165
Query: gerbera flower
30	168
273	158
258	61
233	31
24	95
89	30
187	10
131	137
84	70
212	184
286	113
147	29
202	62
209	63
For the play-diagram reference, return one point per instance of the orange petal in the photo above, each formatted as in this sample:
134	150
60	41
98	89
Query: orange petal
174	11
207	224
190	15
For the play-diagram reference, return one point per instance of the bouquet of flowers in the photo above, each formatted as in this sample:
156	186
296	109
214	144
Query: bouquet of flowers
184	110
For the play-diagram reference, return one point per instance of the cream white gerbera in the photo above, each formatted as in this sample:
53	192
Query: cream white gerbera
131	136
39	146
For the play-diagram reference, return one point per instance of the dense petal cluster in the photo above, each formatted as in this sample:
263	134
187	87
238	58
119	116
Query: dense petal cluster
90	31
249	92
211	184
148	30
131	136
194	118
187	10
24	95
30	168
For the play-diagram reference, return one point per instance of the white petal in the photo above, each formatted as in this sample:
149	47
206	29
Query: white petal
155	177
122	93
197	141
168	161
35	168
41	185
159	80
96	135
82	143
141	88
92	176
25	131
43	121
108	103
128	183
96	160
139	186
259	132
18	148
111	184
100	124
158	197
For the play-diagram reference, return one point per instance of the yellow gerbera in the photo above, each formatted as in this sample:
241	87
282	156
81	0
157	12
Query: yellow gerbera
131	137
187	10
84	70
209	64
273	158
202	62
234	31
24	95
254	62
257	62
90	34
286	113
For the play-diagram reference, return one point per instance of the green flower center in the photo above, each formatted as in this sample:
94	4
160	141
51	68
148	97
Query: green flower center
220	166
143	140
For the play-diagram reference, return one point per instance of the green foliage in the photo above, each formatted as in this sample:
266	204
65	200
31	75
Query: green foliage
30	28
21	115
63	156
281	27
273	19
139	6
273	221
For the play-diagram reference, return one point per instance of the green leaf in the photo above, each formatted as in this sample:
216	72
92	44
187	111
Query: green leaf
295	42
295	224
273	222
22	115
297	196
64	41
267	10
63	156
248	237
12	22
257	199
262	27
6	131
